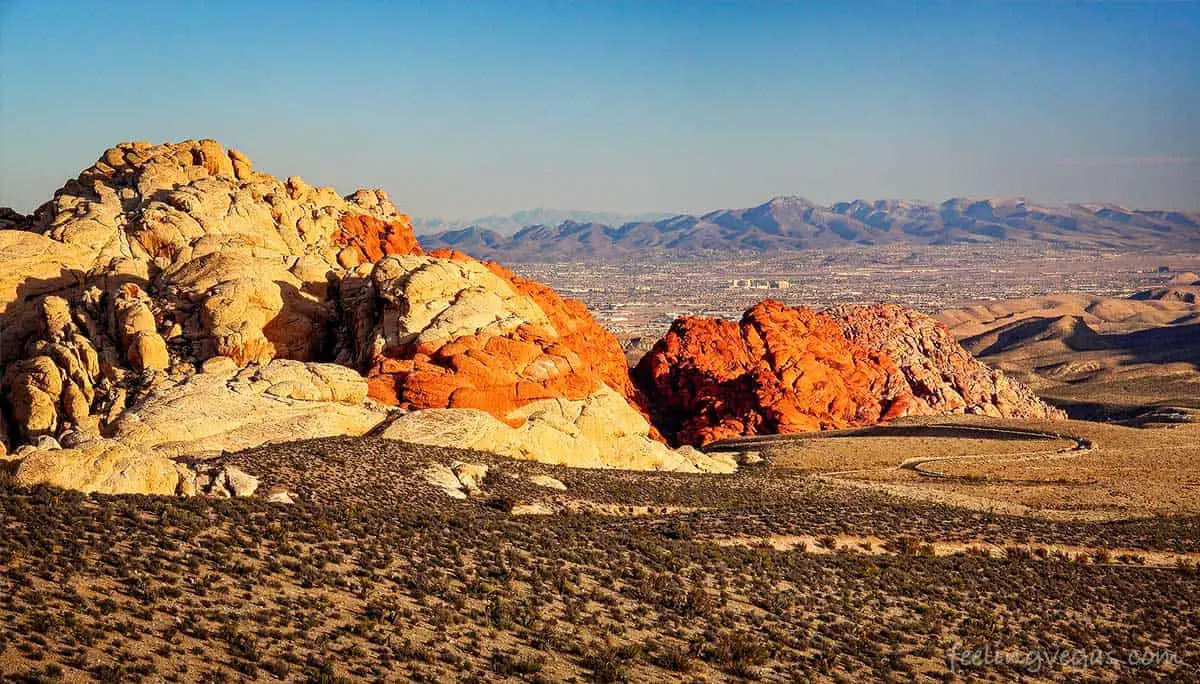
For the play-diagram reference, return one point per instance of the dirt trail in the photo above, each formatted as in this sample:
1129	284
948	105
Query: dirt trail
875	546
1081	445
846	478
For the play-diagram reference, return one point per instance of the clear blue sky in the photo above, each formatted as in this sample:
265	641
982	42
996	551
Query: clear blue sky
459	109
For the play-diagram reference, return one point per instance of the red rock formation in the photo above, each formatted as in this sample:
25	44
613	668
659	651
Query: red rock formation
783	369
491	373
373	238
564	353
778	370
597	348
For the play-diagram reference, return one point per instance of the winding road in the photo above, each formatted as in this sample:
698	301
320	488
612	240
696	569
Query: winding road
920	465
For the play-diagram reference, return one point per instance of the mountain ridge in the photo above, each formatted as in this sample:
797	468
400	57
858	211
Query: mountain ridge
511	223
794	223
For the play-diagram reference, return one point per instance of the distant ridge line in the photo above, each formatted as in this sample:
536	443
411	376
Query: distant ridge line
795	224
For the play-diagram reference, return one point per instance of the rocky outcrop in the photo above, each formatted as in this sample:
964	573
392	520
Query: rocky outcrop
447	332
783	369
226	408
102	466
778	370
160	257
105	466
175	300
942	376
599	431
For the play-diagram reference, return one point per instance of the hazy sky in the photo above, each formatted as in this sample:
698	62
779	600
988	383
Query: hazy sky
461	109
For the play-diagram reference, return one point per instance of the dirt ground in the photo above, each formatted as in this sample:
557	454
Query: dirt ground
1073	470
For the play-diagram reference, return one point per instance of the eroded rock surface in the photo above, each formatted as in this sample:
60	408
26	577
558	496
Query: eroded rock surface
941	375
157	259
599	431
228	409
789	369
102	466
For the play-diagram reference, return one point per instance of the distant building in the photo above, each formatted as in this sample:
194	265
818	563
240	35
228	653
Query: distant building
752	284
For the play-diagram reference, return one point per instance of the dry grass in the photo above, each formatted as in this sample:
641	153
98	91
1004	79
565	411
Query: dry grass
374	575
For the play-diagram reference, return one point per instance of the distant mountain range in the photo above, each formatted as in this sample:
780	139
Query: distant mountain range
507	225
793	223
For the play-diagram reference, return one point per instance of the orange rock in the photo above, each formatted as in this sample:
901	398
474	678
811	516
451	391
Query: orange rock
499	373
372	238
783	369
778	370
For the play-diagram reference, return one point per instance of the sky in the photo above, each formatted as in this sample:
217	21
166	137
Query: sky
464	109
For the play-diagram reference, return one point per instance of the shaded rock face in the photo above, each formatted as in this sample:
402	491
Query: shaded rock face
941	375
783	369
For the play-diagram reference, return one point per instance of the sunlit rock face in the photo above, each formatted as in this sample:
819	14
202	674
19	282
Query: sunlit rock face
158	258
174	300
787	369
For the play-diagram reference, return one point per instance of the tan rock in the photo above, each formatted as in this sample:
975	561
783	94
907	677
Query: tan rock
32	388
101	466
535	508
187	480
280	496
601	431
31	267
209	412
452	299
145	349
548	482
239	482
470	475
219	365
442	477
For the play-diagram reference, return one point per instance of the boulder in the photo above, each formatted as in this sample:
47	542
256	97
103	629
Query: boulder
144	348
448	331
101	466
778	370
548	482
239	482
160	257
280	401
470	475
33	388
599	431
441	476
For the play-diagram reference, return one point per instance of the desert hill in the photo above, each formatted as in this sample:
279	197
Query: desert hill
793	223
1086	349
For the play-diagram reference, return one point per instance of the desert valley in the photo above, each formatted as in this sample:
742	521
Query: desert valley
254	430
